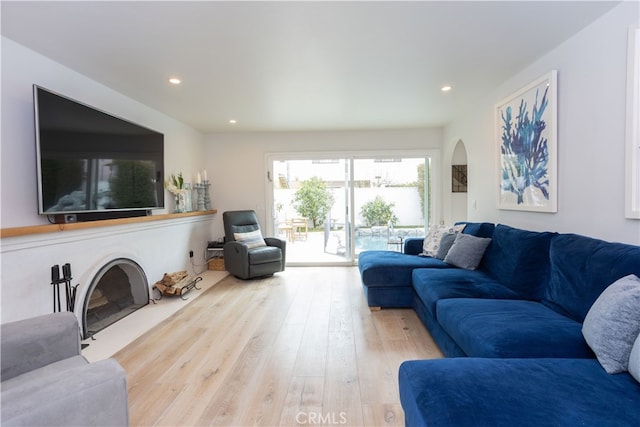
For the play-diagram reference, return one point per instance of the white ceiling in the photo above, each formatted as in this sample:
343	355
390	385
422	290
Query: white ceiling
299	65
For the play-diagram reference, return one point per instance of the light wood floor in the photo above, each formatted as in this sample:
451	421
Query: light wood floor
299	348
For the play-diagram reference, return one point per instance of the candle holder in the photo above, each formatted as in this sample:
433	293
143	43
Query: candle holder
200	189
188	204
207	198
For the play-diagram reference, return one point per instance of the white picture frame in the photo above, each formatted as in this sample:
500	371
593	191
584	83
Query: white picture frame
526	147
632	153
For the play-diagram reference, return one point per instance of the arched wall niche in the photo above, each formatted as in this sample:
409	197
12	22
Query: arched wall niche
458	188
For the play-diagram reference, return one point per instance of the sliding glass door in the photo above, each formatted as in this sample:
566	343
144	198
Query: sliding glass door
311	209
392	199
329	209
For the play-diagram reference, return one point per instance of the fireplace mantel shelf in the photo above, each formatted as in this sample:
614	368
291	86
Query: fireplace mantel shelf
51	228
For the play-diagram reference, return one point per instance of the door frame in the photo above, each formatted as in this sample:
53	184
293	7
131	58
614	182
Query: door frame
436	182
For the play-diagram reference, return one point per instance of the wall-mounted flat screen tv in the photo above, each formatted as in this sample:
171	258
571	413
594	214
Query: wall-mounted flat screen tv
91	161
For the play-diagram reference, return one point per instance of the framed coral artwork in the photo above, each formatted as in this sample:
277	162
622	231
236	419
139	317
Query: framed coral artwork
526	141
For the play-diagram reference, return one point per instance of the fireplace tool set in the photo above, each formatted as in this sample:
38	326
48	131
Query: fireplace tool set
56	281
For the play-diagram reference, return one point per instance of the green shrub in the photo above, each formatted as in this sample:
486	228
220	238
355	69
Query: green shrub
378	212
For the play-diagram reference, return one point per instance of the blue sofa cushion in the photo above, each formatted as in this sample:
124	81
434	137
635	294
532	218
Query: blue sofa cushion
384	268
432	285
519	259
510	329
581	269
413	245
478	229
389	296
470	392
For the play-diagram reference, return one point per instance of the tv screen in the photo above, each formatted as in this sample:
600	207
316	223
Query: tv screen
91	161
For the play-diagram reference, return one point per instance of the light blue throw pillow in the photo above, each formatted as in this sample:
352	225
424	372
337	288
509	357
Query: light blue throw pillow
613	324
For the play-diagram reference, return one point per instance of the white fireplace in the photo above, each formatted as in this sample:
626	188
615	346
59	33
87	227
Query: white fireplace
155	247
120	288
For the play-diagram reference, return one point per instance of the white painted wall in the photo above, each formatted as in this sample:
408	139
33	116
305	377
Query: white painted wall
26	261
236	161
591	135
21	68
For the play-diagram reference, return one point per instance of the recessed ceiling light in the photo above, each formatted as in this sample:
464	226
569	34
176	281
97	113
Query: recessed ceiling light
174	80
233	121
445	88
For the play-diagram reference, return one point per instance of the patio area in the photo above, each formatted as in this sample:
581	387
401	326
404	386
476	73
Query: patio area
309	247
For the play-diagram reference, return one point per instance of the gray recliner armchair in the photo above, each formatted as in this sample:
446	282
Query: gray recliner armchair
247	254
47	382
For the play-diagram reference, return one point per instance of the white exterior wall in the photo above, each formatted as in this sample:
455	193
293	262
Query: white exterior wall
405	199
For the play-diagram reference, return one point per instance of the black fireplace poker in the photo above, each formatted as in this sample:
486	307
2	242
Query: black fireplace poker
56	281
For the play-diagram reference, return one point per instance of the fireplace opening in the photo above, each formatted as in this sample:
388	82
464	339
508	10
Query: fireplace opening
119	289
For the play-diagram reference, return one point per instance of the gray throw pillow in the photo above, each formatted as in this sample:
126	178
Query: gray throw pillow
445	244
467	251
634	360
613	324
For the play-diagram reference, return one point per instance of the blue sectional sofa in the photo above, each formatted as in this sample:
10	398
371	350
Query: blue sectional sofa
512	330
386	275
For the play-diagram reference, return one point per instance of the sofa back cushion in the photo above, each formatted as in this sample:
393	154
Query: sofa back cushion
519	259
582	268
478	229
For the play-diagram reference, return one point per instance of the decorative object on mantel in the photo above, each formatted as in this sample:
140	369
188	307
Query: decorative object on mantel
177	283
526	139
176	186
207	198
200	200
188	198
202	187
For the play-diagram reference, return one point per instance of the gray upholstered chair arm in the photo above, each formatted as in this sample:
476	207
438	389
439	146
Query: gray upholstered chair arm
32	343
282	244
235	258
274	241
94	394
